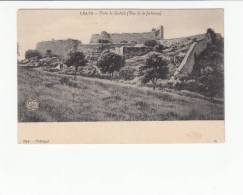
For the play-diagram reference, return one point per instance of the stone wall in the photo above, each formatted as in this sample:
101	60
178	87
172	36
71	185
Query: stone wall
94	38
93	51
132	37
188	62
117	38
58	47
63	47
130	52
139	38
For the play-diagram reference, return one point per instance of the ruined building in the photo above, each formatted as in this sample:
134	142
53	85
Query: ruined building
58	47
116	40
139	38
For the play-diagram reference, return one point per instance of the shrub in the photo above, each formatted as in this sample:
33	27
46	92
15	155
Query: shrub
124	41
68	82
159	48
127	73
49	53
103	41
76	59
156	67
134	42
89	71
32	53
212	82
108	62
175	83
64	80
190	85
150	43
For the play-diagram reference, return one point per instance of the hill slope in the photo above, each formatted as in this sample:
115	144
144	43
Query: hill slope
88	99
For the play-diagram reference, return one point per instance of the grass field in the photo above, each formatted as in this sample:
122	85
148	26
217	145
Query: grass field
89	99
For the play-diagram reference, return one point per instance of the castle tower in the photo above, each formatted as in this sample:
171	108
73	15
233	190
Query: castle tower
161	29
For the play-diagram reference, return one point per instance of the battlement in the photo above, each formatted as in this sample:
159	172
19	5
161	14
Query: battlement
139	38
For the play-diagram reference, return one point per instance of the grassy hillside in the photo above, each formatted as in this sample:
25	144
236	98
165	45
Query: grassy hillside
88	99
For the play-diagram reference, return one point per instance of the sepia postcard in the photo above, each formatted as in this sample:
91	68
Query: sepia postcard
120	76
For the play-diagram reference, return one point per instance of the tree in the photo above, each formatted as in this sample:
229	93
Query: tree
108	62
104	37
32	53
49	53
156	67
76	59
159	48
212	81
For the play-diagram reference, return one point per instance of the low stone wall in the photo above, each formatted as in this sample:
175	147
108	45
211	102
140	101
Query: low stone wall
88	49
130	52
93	51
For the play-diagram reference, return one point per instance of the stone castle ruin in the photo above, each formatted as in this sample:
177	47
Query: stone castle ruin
139	38
121	43
58	47
128	45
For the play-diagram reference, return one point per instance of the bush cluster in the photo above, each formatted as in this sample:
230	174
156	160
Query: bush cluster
109	62
68	82
127	73
31	53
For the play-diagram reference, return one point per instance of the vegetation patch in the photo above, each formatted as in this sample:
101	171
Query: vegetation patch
105	100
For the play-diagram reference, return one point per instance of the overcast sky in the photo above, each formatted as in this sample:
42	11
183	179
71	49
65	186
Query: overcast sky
41	25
